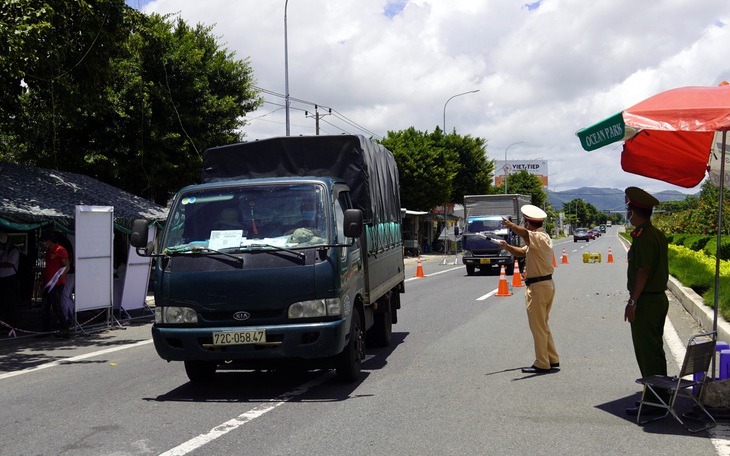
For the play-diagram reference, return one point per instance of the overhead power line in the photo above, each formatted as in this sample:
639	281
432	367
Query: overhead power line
338	115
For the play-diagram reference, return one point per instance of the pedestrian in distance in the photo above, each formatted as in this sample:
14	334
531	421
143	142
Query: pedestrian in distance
67	300
540	288
647	276
54	279
9	281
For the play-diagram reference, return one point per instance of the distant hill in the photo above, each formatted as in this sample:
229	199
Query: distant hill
605	199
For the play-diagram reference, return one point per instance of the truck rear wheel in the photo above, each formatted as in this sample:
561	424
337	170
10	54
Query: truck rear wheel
200	371
380	333
348	362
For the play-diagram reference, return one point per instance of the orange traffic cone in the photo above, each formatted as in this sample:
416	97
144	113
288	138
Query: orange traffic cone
555	265
503	289
516	278
419	269
610	256
565	257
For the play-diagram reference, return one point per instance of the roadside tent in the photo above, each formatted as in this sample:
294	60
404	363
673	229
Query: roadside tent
33	197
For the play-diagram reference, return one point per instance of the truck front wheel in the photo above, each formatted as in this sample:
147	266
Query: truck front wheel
348	362
470	270
200	371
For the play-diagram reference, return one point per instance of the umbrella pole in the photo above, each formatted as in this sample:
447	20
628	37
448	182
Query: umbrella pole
719	243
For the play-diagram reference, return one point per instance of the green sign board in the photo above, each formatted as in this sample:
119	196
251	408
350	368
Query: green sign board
603	133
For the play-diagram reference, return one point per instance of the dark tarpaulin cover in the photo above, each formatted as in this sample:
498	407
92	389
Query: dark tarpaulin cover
31	197
367	167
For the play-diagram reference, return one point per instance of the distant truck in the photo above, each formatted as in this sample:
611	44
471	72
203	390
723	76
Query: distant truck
483	225
288	255
608	224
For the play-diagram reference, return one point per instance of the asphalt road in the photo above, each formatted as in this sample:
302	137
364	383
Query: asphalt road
450	384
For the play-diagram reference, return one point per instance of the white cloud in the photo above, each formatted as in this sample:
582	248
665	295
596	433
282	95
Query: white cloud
543	69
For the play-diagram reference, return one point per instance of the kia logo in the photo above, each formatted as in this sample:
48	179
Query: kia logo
241	316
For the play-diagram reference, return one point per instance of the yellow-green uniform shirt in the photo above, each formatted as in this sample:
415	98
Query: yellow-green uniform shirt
649	250
539	254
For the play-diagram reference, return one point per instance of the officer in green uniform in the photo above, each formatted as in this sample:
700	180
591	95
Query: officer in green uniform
648	273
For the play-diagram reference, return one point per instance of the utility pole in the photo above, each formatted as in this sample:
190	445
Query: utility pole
317	116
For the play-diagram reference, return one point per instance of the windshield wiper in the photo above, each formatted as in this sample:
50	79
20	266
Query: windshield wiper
277	248
187	250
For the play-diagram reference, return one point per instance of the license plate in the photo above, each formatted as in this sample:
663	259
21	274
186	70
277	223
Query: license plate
485	261
239	337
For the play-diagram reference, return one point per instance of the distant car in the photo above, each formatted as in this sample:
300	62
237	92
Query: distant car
602	227
596	231
592	234
581	234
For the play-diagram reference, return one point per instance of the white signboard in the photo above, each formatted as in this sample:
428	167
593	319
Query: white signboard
136	277
94	256
536	167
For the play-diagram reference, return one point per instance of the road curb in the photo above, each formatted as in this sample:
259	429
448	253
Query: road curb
695	305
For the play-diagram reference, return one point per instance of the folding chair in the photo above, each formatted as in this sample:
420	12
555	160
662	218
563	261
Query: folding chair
697	359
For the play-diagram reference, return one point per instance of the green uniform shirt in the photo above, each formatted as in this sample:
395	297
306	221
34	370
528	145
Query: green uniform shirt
649	250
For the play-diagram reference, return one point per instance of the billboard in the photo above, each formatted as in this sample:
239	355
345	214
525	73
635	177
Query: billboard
503	168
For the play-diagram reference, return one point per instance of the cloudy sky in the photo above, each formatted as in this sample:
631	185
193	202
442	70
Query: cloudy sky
543	70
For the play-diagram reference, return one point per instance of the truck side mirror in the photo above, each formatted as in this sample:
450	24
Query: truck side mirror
456	231
353	223
139	234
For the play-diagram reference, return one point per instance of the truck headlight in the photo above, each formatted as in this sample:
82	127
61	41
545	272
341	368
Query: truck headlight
467	253
315	308
504	253
175	315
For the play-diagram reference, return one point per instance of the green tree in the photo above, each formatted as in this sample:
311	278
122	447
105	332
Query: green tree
426	168
698	214
130	99
473	170
524	183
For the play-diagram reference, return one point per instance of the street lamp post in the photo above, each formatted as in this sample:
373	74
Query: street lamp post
447	102
505	164
286	71
446	250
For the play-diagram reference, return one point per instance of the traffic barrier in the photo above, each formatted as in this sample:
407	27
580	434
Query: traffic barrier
610	256
565	257
555	265
590	257
503	289
419	269
516	277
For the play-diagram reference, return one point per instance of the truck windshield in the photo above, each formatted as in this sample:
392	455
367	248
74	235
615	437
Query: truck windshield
479	225
248	217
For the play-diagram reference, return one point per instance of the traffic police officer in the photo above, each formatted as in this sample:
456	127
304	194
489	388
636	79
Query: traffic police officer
540	290
648	273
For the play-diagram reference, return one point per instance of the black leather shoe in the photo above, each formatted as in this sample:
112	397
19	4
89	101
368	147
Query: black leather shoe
535	370
647	410
554	365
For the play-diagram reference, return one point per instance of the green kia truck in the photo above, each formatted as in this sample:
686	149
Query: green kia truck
290	251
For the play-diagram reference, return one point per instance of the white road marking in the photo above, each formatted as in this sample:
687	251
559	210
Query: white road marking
432	274
244	418
74	358
491	293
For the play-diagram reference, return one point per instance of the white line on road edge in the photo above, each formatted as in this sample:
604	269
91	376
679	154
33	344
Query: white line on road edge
244	418
74	358
720	434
